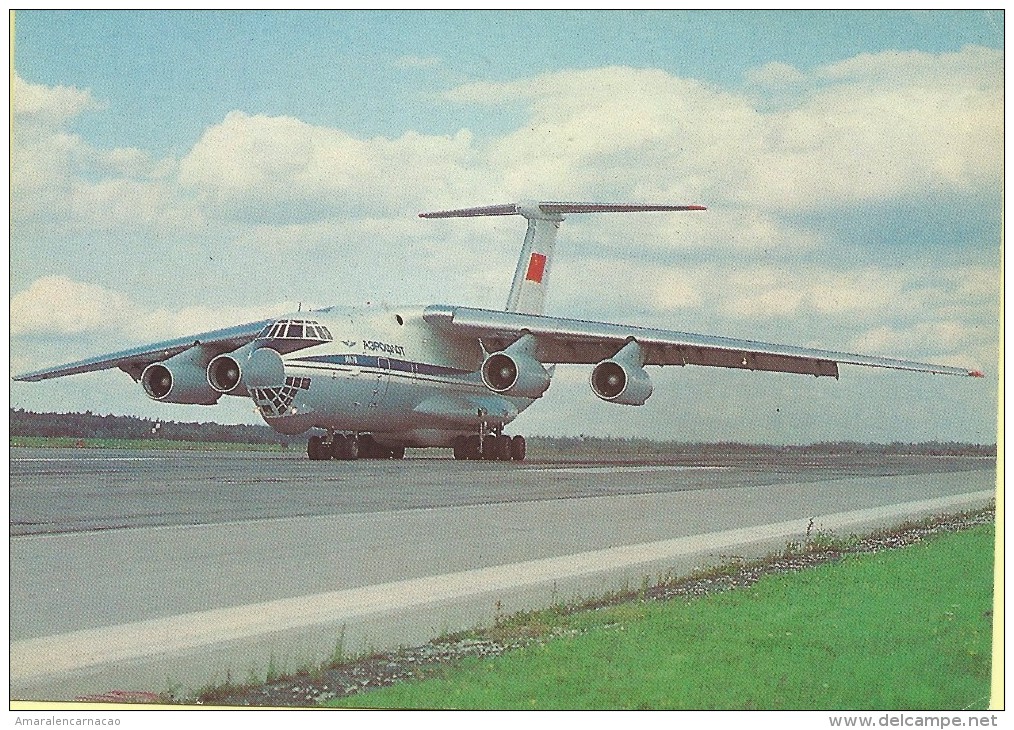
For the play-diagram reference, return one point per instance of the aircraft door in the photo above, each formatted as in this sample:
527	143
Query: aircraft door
381	381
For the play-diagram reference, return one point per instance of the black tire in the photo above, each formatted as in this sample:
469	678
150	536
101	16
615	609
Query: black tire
458	447
472	448
370	449
398	453
345	448
502	448
315	448
519	448
489	448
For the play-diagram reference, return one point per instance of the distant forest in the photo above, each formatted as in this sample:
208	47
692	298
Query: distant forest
91	426
88	425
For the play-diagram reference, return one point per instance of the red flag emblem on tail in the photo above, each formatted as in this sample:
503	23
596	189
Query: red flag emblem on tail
536	267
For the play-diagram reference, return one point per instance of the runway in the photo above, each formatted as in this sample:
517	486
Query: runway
68	490
140	571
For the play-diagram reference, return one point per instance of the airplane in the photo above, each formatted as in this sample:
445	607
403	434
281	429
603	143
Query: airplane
378	380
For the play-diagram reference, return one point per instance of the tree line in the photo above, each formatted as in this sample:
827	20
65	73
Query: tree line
89	425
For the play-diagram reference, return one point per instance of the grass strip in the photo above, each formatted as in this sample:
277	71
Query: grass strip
66	442
899	629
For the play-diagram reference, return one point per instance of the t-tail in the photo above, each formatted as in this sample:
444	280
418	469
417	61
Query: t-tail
531	278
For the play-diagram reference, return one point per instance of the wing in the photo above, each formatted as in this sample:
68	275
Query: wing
577	341
134	361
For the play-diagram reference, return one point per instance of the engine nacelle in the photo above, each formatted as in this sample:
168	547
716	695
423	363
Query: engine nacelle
225	373
516	371
622	378
257	367
180	379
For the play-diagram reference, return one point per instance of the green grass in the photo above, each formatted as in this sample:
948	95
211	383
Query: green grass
61	442
897	630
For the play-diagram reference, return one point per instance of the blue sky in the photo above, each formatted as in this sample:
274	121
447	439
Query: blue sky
178	168
343	68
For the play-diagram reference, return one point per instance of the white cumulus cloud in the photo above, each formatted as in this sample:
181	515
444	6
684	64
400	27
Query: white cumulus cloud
49	105
875	128
58	305
60	180
283	170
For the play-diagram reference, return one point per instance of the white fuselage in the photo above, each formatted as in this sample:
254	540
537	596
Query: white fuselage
389	373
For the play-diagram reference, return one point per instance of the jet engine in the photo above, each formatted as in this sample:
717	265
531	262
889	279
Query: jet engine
224	373
180	379
622	378
516	371
259	367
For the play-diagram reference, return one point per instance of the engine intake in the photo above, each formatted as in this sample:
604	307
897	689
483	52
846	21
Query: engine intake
250	367
516	371
622	379
180	379
224	373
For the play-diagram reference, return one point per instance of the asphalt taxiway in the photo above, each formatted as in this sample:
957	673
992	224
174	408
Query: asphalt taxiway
142	571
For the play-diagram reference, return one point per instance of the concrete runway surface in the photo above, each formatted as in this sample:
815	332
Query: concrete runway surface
148	571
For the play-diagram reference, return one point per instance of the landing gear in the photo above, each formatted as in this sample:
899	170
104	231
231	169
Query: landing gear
317	449
494	447
343	447
490	446
518	448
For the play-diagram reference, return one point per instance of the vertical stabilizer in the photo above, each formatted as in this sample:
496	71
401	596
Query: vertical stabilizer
531	278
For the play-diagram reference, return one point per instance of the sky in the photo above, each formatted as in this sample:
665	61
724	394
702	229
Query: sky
173	172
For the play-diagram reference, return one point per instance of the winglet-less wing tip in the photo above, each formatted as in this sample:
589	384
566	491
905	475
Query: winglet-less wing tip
976	374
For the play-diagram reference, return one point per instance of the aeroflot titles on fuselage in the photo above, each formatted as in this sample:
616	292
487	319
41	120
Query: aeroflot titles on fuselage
383	347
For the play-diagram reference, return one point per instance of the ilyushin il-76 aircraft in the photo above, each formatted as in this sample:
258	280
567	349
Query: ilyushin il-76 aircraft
378	380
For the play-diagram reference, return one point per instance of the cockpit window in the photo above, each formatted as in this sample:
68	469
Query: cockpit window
296	329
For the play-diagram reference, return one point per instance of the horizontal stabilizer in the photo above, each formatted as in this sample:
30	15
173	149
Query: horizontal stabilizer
536	210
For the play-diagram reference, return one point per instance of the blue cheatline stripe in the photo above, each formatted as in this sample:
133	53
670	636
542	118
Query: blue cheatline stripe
373	361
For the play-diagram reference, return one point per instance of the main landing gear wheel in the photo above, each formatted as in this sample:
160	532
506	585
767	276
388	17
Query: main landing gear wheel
465	448
345	448
518	448
316	449
490	448
342	448
501	448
